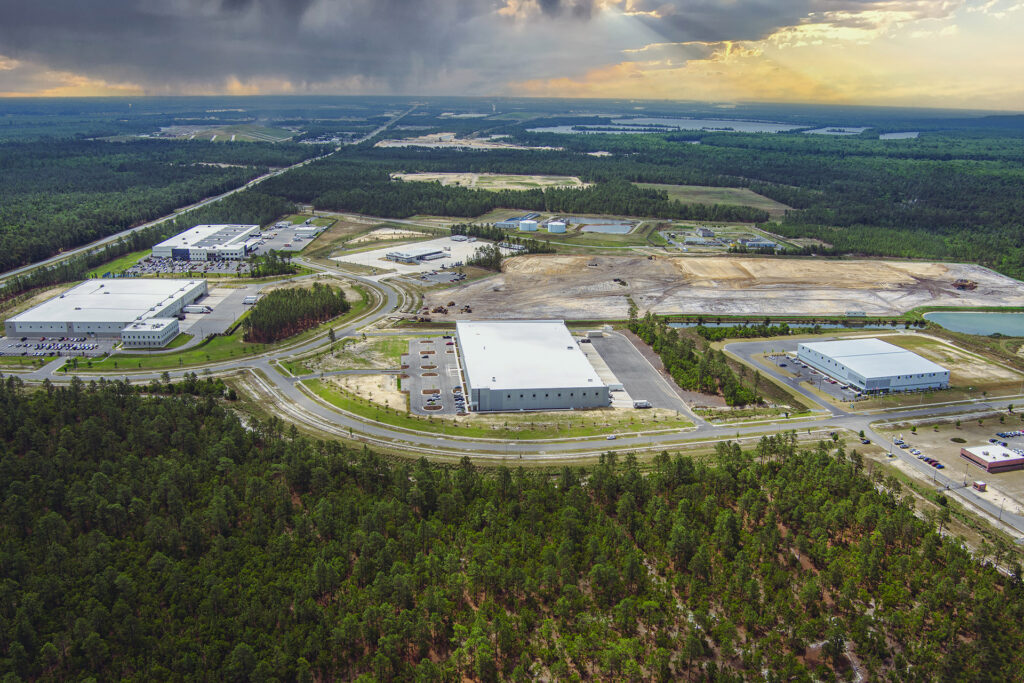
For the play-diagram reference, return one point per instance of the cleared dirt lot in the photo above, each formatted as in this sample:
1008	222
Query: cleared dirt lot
494	181
577	287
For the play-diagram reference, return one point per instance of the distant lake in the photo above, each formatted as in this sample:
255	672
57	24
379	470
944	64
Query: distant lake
980	322
836	130
593	221
824	326
668	125
910	135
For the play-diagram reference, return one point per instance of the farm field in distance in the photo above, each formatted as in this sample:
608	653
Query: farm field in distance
586	287
738	196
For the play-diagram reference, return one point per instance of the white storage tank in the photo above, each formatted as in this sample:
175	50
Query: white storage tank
556	226
528	226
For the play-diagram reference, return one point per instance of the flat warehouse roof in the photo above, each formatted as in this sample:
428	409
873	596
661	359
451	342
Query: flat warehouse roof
210	236
523	354
415	252
994	453
116	300
875	358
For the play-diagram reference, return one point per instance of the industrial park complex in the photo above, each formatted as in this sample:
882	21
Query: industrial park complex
210	242
873	366
140	311
526	365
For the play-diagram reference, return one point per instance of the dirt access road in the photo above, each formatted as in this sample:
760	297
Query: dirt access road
585	287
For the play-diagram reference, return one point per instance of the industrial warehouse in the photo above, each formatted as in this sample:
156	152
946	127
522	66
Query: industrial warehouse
417	254
873	366
993	458
141	312
210	243
526	365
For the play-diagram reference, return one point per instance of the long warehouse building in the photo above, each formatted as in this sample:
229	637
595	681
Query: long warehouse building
526	365
210	242
105	308
873	366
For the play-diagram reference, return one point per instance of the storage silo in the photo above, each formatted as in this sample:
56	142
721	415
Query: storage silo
527	226
556	226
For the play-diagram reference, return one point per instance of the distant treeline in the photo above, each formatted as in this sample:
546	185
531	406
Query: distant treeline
489	232
283	313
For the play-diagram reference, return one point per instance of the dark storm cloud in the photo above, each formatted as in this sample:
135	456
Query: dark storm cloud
399	44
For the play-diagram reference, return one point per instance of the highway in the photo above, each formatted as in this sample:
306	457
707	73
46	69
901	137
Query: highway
191	207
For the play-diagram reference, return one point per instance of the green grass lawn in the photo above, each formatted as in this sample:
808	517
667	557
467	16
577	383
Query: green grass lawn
390	348
736	196
519	426
221	348
26	362
121	263
179	341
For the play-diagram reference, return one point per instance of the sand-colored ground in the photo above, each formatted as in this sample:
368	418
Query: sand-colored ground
381	389
494	181
385	234
965	368
584	287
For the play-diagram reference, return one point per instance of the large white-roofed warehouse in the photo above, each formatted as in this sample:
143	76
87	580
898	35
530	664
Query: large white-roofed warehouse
526	365
210	242
873	366
106	307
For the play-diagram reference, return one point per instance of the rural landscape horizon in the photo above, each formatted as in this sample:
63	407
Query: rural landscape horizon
512	340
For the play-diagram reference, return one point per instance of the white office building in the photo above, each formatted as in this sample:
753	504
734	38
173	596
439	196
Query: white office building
873	366
526	365
105	307
151	333
416	254
210	242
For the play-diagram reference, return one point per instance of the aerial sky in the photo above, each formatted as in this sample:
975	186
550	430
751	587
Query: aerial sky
932	53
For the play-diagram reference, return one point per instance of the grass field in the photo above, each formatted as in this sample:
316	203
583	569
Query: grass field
507	425
736	196
26	362
353	354
117	265
301	218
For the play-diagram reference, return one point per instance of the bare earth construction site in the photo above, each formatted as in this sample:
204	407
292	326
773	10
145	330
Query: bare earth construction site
599	287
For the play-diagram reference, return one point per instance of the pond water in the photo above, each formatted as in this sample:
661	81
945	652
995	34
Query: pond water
593	221
608	228
909	135
980	322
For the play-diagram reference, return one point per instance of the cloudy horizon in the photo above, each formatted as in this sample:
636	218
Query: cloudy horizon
941	53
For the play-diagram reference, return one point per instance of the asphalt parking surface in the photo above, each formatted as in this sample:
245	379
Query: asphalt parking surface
432	367
53	346
635	373
224	314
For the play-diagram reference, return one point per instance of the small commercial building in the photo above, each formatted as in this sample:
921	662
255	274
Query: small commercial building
151	333
105	308
873	366
993	458
416	254
526	365
210	242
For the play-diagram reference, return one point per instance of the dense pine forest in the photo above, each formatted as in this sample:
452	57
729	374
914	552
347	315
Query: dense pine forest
62	194
159	539
283	313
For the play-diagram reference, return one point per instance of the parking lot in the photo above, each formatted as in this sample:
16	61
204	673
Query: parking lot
436	277
227	308
456	252
818	380
56	346
432	377
637	376
152	265
282	239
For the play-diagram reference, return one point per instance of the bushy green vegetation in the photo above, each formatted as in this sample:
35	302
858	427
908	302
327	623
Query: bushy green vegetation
692	366
283	313
159	539
489	232
272	263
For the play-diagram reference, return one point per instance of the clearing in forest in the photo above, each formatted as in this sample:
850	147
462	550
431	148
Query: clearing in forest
493	181
735	196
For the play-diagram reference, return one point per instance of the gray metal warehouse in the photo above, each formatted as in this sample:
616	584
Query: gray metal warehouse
513	365
873	366
106	307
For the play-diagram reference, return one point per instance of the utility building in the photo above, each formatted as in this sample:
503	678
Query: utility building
417	254
994	458
526	365
210	242
873	366
105	308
